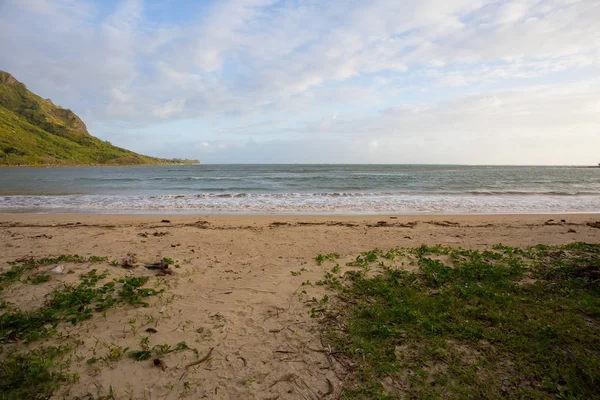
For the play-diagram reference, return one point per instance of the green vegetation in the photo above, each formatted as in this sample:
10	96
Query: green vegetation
37	373
34	131
157	350
19	267
298	273
321	258
40	278
505	323
74	304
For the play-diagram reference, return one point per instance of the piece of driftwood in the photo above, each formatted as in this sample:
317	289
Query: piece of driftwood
158	265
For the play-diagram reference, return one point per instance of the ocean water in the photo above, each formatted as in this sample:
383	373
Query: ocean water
341	189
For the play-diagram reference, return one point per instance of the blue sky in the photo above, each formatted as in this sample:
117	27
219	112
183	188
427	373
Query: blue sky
404	81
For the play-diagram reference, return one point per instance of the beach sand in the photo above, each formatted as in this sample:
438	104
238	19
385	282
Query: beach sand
234	291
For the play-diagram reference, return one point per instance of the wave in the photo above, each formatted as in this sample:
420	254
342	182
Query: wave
531	193
325	202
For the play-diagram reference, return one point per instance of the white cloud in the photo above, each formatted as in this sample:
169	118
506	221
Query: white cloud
119	96
169	108
287	67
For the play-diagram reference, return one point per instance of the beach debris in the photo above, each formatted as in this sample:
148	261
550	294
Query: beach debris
162	268
155	234
57	270
200	361
151	330
551	222
164	272
563	220
157	362
330	388
393	217
42	236
443	223
571	230
594	224
285	378
129	261
158	265
392	224
165	221
277	223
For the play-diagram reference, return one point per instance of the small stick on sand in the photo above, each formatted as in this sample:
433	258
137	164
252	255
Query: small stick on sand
285	378
329	388
200	361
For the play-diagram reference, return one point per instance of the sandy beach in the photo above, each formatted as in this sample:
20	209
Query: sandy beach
235	293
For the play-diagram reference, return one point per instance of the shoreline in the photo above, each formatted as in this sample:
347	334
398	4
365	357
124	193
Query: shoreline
143	216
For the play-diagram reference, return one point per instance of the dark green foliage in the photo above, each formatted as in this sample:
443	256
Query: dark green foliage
132	293
36	374
40	278
157	350
140	355
473	324
33	375
74	304
15	272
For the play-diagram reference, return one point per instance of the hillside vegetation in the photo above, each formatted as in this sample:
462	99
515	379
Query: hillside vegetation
34	131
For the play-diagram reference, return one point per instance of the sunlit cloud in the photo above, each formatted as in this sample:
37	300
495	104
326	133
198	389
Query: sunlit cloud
399	80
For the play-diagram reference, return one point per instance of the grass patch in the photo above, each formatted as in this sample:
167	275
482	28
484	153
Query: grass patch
168	260
19	267
39	278
74	304
321	258
488	324
35	374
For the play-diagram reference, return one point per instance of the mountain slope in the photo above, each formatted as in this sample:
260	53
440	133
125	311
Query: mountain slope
33	131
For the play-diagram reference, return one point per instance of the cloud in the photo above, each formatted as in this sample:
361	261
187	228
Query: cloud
436	69
169	108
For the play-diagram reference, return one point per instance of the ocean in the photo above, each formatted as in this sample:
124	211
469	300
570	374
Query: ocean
300	189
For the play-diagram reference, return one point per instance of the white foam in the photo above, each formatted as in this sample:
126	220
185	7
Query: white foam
302	203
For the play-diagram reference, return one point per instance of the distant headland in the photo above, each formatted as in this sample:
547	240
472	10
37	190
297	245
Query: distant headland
35	132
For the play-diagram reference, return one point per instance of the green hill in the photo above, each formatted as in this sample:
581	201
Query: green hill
34	131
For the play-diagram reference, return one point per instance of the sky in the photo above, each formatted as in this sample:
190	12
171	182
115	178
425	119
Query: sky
338	81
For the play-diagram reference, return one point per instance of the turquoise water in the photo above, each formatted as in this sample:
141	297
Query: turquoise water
301	189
